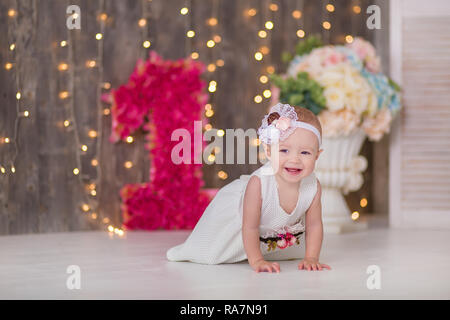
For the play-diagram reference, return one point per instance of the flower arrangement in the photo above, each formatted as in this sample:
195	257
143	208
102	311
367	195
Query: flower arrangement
161	96
342	84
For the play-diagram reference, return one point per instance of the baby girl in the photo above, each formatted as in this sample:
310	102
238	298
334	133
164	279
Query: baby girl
273	213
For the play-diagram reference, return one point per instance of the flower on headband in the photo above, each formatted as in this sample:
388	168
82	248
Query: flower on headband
280	128
282	123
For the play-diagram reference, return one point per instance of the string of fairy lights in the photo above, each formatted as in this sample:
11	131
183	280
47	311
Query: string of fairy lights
15	58
297	14
90	205
326	24
262	54
266	11
214	63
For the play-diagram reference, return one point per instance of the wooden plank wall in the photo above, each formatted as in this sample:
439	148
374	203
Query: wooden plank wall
43	194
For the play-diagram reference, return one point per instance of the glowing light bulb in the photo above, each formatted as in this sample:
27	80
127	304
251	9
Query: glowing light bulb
76	171
222	175
211	67
91	63
184	11
263	79
258	99
212	21
63	66
251	12
326	25
267	93
363	202
258	56
300	33
262	34
273	7
190	33
269	25
146	44
99	36
63	94
92	134
210	43
220	133
128	164
142	22
297	14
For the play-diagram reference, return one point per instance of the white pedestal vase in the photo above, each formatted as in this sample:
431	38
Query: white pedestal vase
339	169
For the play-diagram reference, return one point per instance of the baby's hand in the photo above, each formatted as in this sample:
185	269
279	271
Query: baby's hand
312	264
263	266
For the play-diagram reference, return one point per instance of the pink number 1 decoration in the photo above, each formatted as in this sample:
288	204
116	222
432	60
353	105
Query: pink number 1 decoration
162	96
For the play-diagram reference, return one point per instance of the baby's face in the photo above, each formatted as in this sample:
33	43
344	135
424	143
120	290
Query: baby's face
297	155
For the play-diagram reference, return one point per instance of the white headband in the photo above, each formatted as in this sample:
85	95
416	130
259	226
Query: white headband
282	127
307	126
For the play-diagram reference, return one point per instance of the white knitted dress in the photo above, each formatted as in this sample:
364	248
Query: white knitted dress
217	236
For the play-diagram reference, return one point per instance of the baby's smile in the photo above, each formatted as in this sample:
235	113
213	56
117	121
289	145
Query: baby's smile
293	171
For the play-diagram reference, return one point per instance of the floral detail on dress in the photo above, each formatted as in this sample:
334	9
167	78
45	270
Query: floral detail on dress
282	240
296	228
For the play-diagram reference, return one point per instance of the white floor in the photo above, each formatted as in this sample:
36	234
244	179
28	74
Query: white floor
414	264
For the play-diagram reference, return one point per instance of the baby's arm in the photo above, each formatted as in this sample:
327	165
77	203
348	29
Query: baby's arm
250	227
314	234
